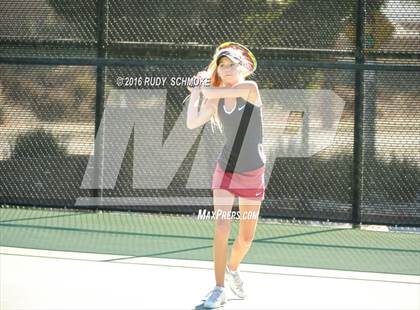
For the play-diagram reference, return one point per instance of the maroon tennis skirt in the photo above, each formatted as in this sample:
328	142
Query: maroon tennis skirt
246	184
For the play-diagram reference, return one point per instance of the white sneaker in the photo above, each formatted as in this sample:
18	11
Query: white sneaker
216	298
235	282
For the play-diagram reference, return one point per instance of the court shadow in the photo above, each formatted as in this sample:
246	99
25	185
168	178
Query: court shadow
229	298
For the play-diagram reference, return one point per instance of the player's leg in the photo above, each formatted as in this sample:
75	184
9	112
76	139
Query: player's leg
249	210
223	201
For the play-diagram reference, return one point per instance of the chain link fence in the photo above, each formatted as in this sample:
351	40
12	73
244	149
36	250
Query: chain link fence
61	60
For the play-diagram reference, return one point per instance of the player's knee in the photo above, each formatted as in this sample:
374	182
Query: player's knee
223	228
245	240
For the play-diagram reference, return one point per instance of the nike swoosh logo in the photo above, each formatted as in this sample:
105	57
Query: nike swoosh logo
241	108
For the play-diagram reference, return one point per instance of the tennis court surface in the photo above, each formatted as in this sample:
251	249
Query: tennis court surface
55	259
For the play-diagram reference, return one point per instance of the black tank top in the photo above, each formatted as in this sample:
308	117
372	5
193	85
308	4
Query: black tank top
243	133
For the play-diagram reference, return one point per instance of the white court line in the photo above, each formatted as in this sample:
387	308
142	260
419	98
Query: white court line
184	263
59	254
71	280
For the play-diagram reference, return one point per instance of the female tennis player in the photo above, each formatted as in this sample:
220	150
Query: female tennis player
233	104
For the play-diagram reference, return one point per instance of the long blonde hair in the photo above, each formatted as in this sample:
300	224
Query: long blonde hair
215	81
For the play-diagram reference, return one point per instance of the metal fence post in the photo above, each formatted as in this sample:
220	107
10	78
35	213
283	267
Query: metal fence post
100	89
358	115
